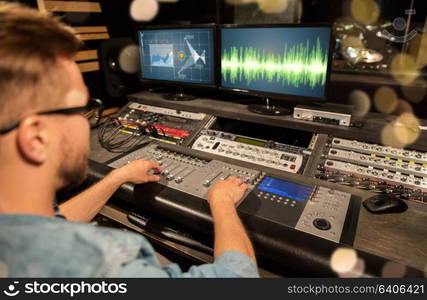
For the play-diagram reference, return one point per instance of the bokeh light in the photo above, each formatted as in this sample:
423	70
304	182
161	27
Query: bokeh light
404	68
402	131
238	2
415	94
422	51
129	60
385	100
343	260
273	6
365	11
407	128
403	106
356	272
393	270
388	137
143	10
361	102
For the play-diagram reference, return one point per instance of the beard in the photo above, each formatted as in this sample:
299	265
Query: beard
74	175
74	168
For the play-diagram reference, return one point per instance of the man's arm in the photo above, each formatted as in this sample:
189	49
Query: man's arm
234	254
85	206
229	231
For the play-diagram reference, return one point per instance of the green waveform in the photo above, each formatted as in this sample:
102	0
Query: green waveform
298	65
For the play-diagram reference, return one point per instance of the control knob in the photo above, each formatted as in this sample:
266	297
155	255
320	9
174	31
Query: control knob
322	224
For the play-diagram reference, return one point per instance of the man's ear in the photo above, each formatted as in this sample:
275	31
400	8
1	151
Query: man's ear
32	139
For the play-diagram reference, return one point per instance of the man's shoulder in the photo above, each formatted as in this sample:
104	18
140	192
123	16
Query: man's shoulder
43	246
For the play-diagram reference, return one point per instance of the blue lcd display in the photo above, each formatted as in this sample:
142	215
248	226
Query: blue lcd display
180	55
286	189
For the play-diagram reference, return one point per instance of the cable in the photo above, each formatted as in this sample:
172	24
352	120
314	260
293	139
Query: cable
116	137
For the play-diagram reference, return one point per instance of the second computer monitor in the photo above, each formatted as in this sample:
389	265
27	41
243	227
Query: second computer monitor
179	56
282	61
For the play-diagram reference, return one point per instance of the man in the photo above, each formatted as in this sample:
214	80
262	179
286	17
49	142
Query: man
44	146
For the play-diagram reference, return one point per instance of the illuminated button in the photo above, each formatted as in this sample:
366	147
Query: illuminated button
293	167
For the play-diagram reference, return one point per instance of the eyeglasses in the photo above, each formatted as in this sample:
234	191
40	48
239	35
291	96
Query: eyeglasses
92	109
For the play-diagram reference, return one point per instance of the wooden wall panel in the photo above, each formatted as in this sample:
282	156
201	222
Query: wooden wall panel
92	31
73	6
89	66
86	55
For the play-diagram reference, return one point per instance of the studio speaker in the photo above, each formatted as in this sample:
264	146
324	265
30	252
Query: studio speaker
120	65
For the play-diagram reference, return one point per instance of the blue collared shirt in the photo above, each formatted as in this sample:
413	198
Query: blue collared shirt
38	246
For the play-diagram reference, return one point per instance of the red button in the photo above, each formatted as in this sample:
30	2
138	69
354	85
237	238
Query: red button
293	167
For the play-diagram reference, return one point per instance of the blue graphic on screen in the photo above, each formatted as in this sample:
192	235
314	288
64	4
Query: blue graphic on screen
284	188
161	55
184	55
290	61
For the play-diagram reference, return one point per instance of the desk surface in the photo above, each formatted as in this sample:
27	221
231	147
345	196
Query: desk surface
398	237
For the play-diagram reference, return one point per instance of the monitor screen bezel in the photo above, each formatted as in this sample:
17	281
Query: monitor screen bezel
160	82
277	96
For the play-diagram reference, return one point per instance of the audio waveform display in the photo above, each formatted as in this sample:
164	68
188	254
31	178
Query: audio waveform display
276	60
300	65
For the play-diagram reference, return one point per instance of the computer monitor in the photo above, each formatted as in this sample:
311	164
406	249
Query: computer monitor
178	56
286	62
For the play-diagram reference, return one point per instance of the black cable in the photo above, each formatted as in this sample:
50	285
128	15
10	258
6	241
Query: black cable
111	137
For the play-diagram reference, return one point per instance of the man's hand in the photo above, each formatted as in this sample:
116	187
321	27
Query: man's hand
224	191
137	172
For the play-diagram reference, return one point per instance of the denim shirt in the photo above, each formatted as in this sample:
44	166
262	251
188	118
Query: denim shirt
38	246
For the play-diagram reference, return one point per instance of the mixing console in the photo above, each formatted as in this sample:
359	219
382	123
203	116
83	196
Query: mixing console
377	168
162	123
316	210
266	153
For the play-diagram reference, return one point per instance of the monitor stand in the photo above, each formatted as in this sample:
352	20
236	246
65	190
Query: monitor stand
180	96
267	109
